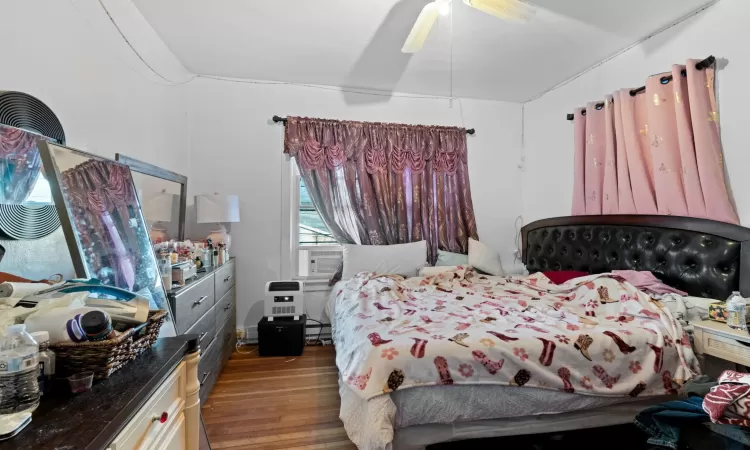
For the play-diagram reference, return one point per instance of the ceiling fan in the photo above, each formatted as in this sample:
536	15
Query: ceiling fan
508	10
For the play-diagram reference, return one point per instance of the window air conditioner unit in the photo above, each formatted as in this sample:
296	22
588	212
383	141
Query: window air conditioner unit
284	299
323	262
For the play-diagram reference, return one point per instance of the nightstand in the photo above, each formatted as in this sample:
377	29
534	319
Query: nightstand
718	340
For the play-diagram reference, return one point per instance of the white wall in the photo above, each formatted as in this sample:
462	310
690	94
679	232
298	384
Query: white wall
219	134
722	31
106	106
235	148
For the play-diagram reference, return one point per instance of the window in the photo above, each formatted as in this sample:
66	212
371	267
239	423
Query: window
41	193
312	230
309	250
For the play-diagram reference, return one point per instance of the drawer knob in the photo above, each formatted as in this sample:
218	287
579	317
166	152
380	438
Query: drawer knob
200	300
161	419
227	307
228	277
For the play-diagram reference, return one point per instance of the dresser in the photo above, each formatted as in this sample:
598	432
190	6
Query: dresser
150	404
206	306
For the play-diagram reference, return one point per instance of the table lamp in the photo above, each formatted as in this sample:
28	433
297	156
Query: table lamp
218	208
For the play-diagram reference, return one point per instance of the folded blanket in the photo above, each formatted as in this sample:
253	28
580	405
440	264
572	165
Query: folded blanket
728	402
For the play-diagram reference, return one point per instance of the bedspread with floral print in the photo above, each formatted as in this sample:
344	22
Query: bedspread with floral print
595	335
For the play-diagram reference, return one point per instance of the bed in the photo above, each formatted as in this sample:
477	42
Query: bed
461	355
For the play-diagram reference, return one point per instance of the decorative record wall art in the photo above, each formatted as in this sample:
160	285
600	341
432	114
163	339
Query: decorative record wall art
26	207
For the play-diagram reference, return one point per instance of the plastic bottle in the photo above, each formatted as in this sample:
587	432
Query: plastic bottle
737	312
46	362
19	368
165	269
208	255
221	255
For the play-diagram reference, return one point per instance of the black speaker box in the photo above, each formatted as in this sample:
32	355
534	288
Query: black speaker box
282	336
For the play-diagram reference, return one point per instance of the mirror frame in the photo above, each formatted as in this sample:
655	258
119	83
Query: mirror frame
145	168
67	221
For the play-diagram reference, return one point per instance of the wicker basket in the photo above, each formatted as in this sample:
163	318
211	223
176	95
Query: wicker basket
106	357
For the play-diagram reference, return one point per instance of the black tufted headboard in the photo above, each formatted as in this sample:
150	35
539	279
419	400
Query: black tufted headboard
702	257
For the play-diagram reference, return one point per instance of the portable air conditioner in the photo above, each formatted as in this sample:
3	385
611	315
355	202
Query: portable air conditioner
323	262
284	298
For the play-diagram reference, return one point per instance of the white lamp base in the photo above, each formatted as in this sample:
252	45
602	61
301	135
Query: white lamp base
220	236
158	235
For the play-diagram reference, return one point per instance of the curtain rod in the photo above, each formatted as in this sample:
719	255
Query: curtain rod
705	64
283	120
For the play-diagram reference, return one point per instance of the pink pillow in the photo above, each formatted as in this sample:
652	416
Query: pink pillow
561	276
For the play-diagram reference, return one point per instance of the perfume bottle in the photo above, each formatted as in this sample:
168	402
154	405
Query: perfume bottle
222	254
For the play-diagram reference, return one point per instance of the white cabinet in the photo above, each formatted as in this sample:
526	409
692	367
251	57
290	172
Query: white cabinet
170	419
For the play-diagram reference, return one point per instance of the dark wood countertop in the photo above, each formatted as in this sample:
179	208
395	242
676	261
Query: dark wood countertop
91	420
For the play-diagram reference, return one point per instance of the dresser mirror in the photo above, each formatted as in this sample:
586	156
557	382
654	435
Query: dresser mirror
163	196
104	227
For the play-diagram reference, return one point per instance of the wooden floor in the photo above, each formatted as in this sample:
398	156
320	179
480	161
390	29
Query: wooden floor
277	403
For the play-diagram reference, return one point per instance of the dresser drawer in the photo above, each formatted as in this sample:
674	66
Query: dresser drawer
225	308
143	431
193	303
721	346
205	327
174	437
227	338
209	368
224	279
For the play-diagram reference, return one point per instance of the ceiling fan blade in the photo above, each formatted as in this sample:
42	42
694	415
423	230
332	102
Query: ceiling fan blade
421	29
508	10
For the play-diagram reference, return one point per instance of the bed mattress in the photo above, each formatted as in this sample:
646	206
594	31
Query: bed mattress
418	437
425	416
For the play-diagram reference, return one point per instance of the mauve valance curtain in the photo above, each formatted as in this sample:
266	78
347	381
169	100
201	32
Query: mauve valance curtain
20	164
104	205
377	183
657	152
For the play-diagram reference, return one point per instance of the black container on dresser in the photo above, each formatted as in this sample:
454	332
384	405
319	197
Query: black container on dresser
206	306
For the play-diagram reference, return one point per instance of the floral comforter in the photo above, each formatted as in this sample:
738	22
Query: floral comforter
596	335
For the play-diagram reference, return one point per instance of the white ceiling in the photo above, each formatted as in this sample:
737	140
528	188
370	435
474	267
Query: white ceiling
356	43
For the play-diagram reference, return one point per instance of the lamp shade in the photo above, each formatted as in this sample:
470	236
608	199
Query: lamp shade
213	208
157	206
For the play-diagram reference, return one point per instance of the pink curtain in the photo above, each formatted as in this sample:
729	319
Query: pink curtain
378	184
657	152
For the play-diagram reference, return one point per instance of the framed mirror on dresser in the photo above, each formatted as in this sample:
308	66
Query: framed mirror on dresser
163	195
104	227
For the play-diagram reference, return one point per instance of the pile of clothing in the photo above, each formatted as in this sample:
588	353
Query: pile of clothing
723	406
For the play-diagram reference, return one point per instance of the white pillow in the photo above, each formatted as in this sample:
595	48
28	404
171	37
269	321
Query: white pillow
399	259
484	258
430	271
451	259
